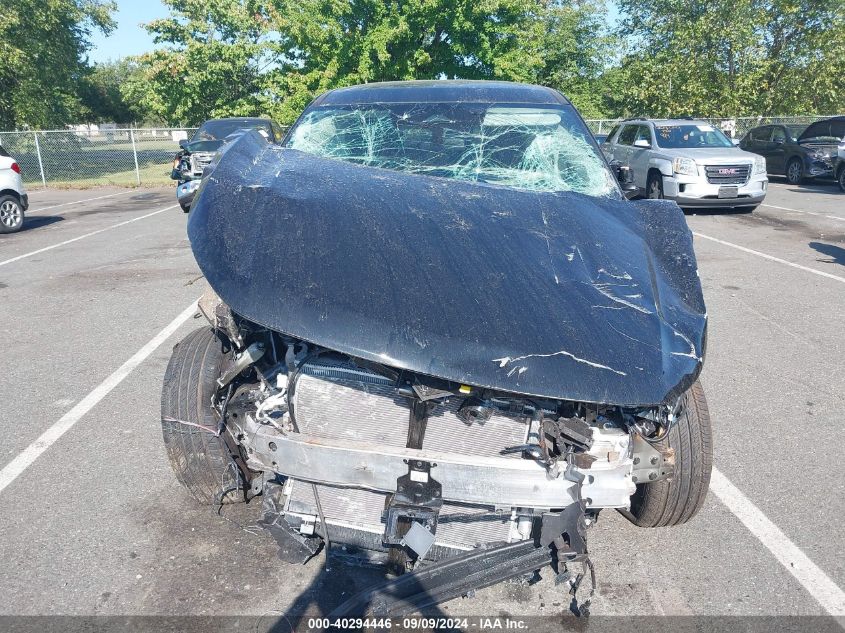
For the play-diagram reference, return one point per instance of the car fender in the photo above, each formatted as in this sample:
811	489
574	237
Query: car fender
661	163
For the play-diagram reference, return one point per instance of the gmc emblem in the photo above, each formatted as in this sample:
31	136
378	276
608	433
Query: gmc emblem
728	171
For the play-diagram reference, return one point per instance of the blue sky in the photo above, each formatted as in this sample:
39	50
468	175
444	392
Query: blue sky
128	38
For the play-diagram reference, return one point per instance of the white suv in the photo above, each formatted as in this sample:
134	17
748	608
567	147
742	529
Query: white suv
13	199
690	162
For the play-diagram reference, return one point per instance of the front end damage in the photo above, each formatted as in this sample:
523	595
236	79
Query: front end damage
452	379
462	486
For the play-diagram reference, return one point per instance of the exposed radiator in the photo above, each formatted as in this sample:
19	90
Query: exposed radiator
334	400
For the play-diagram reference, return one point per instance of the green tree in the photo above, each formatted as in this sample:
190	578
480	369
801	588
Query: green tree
329	43
576	47
733	57
247	57
43	46
102	97
213	62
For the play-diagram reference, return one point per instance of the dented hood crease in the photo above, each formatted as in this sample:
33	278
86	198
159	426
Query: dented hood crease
556	295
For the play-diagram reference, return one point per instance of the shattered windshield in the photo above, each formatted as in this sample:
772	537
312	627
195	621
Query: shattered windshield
692	135
535	147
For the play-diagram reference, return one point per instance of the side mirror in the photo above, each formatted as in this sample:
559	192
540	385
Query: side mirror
735	142
625	179
183	143
641	142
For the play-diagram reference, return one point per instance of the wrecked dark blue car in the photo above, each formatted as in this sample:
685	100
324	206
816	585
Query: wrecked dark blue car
441	337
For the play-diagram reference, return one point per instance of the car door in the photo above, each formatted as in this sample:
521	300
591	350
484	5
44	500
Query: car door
762	144
640	153
753	142
607	144
776	150
622	145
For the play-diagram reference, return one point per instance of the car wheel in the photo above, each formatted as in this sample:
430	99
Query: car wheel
654	187
200	459
186	208
841	179
11	214
675	501
794	172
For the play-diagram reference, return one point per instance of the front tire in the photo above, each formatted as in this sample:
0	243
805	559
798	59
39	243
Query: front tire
794	171
841	179
201	460
11	214
675	501
654	186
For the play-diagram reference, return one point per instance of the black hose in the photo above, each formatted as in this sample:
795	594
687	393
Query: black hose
327	543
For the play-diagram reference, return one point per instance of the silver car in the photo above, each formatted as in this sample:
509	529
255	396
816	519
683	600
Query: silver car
690	162
13	198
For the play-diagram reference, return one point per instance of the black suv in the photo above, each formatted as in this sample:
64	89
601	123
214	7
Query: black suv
797	152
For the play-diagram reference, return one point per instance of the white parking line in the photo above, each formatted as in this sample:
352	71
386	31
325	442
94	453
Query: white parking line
32	452
64	204
770	257
821	215
817	583
82	237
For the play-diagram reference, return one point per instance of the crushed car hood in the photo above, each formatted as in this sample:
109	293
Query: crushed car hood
558	295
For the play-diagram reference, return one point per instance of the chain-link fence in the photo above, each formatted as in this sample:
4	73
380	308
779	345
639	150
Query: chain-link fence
105	156
734	127
95	157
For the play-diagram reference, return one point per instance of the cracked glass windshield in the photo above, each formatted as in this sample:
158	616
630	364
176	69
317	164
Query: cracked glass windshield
540	148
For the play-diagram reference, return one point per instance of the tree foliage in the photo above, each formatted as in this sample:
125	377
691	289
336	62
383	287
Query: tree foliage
251	57
43	46
733	57
213	62
101	94
239	57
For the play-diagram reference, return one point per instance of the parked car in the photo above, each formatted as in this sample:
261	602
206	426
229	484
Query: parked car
433	340
797	152
688	161
839	165
197	153
14	200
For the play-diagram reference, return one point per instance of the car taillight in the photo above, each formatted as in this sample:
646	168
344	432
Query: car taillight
16	168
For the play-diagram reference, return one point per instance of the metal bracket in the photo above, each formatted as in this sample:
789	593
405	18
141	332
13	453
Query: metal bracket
652	462
418	498
249	356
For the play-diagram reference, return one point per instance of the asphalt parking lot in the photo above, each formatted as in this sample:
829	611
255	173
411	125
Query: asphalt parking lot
98	287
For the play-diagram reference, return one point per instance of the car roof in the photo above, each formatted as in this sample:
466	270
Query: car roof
441	91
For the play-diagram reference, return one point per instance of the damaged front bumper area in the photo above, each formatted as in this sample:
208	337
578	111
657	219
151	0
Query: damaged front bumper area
458	486
462	478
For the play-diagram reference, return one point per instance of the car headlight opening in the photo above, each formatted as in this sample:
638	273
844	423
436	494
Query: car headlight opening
759	165
685	166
